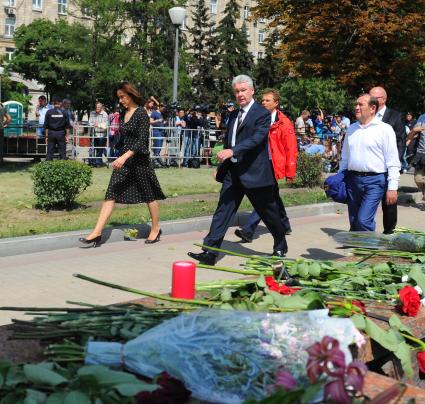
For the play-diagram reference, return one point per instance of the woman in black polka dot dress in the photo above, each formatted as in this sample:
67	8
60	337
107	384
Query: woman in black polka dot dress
133	179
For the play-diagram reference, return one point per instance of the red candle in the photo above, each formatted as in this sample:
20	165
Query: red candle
183	283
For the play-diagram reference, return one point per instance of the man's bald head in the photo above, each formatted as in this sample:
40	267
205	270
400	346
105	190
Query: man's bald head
380	94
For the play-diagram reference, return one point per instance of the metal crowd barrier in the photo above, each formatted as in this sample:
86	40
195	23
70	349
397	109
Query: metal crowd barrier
169	145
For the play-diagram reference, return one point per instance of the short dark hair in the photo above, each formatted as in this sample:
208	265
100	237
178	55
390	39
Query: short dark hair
42	97
56	100
131	91
372	102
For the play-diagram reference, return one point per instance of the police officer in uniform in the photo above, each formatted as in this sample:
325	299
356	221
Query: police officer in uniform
57	127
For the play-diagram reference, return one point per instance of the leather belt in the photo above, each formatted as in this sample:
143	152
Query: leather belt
364	173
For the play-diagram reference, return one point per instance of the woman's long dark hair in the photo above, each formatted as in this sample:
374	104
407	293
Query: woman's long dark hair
129	89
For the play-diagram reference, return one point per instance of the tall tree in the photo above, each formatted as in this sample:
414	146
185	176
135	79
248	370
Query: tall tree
360	42
203	51
64	65
268	70
152	37
232	46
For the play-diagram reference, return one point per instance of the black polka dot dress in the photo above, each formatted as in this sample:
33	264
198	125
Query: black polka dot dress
136	181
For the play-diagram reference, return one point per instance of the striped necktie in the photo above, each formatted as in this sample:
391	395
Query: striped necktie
240	115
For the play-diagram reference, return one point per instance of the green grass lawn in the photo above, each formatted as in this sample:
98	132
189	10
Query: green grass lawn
19	217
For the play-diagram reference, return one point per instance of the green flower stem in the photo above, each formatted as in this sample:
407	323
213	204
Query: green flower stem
143	293
235	271
416	340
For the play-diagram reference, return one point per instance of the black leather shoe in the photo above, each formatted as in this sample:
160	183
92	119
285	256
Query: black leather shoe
279	253
205	257
244	236
93	242
156	239
288	232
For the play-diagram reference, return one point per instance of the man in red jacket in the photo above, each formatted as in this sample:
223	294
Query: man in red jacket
283	152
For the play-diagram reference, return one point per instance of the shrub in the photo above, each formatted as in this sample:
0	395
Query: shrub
58	183
309	170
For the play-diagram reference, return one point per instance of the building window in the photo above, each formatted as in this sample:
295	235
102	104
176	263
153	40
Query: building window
9	54
213	6
10	3
260	36
9	27
260	55
86	12
62	6
245	12
37	4
247	33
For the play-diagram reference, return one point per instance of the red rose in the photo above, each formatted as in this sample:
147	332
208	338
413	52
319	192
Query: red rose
420	356
410	301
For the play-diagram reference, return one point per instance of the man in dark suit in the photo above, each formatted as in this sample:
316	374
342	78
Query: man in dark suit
245	169
393	118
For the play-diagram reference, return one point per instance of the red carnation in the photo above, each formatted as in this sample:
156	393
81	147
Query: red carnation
275	287
420	356
410	301
360	305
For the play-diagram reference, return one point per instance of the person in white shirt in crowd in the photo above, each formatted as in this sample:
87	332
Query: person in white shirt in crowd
300	123
370	156
99	122
40	113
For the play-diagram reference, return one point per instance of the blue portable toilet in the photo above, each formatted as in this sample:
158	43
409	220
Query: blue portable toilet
16	111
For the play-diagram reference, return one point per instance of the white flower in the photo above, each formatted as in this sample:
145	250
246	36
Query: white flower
405	278
371	292
418	289
423	301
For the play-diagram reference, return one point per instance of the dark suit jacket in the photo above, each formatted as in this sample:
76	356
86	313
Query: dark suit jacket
253	165
394	118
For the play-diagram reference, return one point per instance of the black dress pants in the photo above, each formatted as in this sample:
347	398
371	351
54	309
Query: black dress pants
262	199
53	140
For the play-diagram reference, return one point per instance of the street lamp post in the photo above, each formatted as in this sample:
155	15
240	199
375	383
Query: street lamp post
177	15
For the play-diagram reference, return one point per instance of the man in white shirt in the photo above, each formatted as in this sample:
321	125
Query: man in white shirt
40	113
300	123
370	156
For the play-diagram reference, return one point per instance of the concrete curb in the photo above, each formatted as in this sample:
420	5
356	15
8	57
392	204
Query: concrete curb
47	242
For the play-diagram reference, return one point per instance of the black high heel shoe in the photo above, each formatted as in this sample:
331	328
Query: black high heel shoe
93	242
156	239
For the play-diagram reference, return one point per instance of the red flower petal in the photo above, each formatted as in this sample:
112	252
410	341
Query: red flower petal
420	356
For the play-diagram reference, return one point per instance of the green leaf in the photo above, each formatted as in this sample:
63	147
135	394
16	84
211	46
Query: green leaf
34	397
15	376
131	389
418	276
56	398
303	270
226	295
39	374
382	267
107	377
396	323
404	353
76	397
261	282
311	393
314	269
359	321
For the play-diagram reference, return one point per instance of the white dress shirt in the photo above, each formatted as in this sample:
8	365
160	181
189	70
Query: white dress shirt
381	112
245	110
372	148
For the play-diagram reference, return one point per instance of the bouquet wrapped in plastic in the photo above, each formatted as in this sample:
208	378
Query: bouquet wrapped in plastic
369	239
226	356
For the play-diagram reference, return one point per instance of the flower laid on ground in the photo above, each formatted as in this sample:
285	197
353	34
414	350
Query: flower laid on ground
410	301
274	286
326	369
